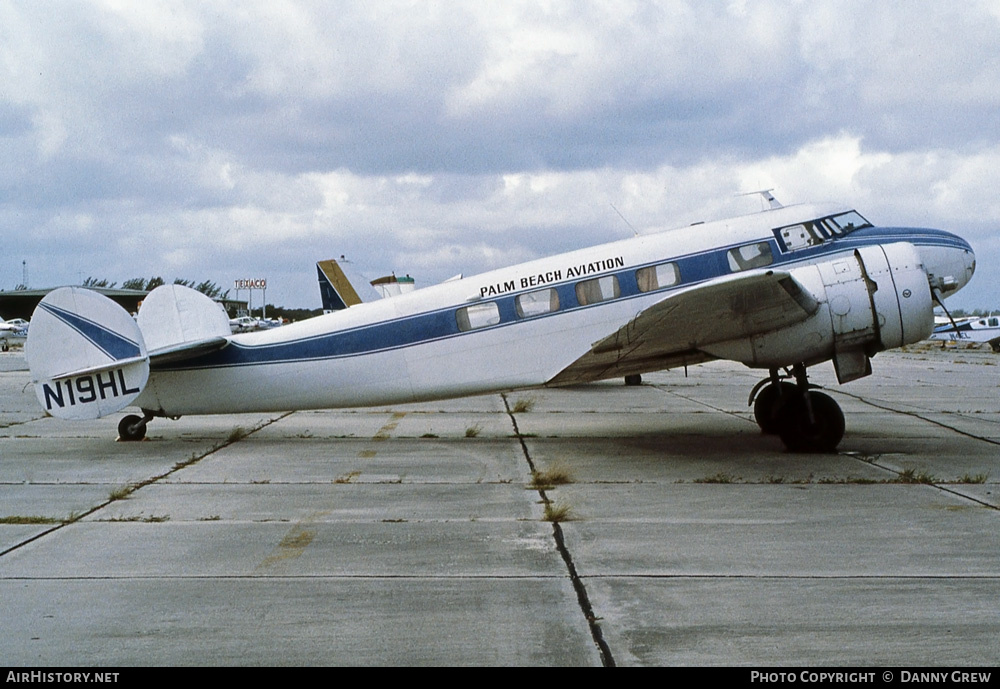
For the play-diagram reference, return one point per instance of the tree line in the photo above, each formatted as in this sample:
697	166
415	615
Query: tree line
206	287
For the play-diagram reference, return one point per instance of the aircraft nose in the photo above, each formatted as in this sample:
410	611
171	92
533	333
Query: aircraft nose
951	264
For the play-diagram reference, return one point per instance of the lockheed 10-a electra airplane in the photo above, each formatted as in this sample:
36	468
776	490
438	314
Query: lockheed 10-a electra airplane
780	290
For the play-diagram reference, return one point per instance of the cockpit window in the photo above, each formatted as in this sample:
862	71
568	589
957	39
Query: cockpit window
814	232
845	223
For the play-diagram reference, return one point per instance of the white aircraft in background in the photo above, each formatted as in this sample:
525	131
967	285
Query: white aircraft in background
974	329
14	330
779	290
341	285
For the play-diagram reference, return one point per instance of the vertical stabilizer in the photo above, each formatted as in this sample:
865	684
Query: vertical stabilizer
340	286
86	355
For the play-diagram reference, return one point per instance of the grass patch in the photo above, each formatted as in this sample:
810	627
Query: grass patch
237	434
186	462
142	518
430	435
914	476
557	512
850	480
120	492
522	405
977	478
29	520
555	475
473	431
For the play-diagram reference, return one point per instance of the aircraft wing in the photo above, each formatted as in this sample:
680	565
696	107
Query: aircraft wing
672	331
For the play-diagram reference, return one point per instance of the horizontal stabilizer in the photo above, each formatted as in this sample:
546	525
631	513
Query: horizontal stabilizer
186	350
86	354
101	368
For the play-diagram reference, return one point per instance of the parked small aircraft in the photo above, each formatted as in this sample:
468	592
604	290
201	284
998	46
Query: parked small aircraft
779	290
14	330
971	330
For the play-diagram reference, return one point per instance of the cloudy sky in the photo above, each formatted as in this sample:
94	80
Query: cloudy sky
225	140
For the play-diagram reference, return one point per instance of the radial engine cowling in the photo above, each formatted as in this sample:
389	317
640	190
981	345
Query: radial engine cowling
874	299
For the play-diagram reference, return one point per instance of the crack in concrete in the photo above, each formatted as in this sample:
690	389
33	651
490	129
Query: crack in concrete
607	659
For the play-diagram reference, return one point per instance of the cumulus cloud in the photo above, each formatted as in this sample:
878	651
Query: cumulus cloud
210	141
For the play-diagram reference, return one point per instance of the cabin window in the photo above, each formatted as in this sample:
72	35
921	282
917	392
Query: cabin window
657	277
597	290
477	316
750	256
537	303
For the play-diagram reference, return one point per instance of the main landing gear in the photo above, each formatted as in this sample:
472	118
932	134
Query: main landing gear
805	419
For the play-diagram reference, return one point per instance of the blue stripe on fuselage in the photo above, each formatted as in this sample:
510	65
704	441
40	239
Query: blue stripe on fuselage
441	324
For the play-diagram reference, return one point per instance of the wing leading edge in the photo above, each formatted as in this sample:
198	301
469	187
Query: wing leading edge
673	331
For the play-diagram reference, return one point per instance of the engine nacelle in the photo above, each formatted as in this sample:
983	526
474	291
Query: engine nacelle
874	299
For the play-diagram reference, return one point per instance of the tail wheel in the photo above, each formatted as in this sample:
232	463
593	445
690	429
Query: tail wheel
131	428
820	431
768	403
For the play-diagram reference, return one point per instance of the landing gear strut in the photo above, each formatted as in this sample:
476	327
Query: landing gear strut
805	419
133	427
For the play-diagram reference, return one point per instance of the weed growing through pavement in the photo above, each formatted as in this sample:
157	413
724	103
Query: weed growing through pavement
522	405
557	512
120	492
555	475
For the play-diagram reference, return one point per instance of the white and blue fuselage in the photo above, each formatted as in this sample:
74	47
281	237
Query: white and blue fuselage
521	327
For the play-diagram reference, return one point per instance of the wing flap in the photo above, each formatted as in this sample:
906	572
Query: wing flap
673	331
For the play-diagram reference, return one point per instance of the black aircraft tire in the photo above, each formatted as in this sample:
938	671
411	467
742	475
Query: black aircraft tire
799	435
768	403
633	379
128	431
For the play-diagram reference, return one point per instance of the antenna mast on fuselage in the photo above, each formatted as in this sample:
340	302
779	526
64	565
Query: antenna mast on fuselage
766	195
